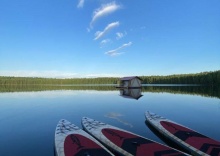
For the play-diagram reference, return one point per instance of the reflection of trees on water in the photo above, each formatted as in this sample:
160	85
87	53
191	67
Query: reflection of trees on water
25	88
210	91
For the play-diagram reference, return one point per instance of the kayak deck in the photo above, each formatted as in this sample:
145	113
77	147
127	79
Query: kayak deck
124	142
187	138
70	140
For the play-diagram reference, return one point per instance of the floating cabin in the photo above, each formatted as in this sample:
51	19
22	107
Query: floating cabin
130	82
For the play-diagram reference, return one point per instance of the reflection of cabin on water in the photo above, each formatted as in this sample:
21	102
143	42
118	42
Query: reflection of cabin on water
131	93
130	82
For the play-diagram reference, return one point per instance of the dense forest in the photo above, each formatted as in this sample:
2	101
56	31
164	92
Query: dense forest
53	81
204	78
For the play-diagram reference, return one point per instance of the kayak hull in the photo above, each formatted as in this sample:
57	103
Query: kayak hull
192	141
70	140
125	142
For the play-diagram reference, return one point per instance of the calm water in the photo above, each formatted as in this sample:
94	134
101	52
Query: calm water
28	118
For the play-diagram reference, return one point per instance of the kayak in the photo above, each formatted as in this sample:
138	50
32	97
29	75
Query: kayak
124	142
192	141
70	140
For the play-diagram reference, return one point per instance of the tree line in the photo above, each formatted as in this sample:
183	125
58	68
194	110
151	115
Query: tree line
55	81
204	78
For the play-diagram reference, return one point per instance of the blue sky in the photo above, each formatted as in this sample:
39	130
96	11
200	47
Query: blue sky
90	38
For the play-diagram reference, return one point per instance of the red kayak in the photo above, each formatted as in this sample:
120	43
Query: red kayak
125	142
192	141
70	140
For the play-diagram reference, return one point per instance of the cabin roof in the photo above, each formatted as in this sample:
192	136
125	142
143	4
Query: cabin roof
129	78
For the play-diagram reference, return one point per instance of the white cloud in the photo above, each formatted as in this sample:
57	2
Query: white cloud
56	74
116	52
119	35
105	41
104	10
103	75
80	4
113	53
88	29
45	74
110	26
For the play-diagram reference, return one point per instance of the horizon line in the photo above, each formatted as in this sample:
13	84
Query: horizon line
74	76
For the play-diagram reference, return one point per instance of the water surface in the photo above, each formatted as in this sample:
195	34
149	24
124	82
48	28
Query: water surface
28	118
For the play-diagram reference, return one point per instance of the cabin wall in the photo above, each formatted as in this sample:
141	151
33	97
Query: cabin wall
135	83
125	83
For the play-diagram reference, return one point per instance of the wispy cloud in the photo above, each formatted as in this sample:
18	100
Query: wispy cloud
104	42
110	26
120	35
104	10
80	4
116	52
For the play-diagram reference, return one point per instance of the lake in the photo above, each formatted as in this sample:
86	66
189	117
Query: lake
29	114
